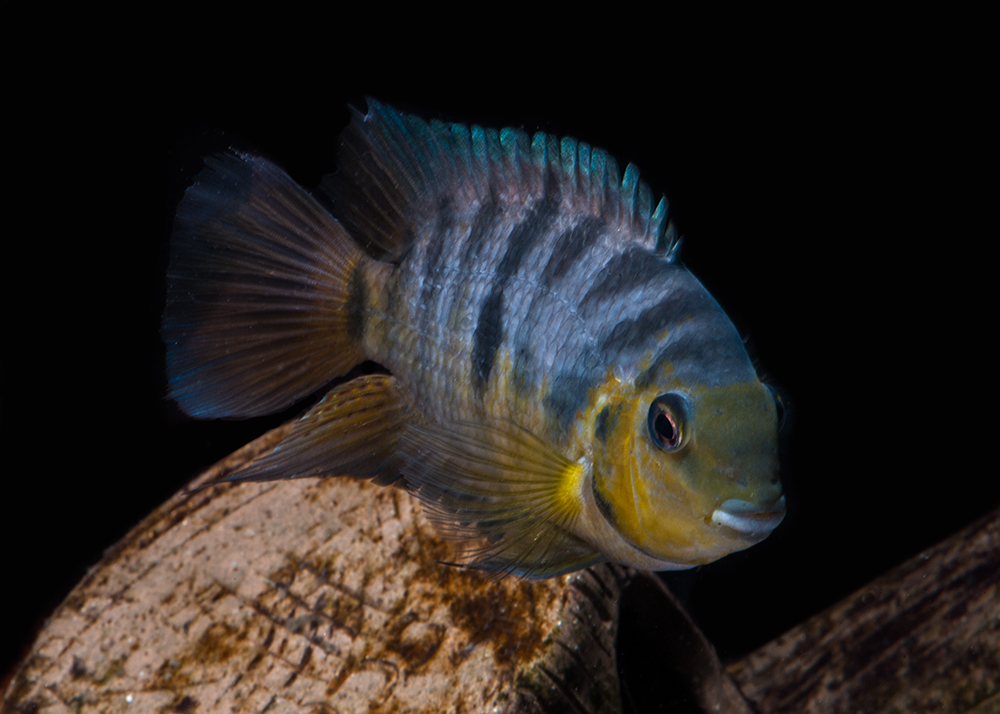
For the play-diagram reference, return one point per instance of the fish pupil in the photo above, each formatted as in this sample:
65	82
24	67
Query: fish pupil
665	430
666	421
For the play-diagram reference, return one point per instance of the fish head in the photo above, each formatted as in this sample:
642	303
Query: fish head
688	474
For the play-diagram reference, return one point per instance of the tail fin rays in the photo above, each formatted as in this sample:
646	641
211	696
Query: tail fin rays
258	311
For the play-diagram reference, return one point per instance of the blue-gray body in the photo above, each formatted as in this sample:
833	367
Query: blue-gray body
556	387
531	270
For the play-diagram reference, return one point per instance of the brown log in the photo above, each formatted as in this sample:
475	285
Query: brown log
327	595
925	637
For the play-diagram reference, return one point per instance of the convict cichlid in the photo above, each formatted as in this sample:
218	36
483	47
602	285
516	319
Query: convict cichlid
560	389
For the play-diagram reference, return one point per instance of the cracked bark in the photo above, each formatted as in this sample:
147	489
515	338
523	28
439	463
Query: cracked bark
327	595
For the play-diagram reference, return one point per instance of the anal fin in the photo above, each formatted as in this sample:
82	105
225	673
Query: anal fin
353	431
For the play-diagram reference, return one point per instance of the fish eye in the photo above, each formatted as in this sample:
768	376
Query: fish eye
668	421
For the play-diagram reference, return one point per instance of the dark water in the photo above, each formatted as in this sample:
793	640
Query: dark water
824	208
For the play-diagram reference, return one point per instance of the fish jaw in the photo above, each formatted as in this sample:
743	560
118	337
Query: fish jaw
737	525
751	521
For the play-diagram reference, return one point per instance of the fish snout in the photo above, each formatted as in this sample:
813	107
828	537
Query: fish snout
752	520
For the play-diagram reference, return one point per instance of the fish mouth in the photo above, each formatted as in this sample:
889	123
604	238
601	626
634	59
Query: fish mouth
749	519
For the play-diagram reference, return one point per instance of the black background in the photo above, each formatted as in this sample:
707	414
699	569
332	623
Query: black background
829	182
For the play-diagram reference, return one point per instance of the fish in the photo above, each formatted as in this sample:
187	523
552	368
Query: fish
545	375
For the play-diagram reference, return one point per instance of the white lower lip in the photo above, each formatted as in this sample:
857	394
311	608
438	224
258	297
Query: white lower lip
754	520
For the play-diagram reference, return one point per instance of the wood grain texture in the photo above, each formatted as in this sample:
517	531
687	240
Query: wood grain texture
319	595
925	637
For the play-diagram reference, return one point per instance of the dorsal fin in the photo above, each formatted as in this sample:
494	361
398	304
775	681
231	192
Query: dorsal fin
394	170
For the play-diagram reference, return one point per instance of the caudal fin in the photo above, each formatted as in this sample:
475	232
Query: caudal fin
259	306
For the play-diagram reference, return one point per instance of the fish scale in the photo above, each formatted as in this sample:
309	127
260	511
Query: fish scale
559	390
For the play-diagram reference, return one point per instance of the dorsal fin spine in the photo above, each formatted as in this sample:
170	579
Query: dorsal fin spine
568	156
514	144
494	156
657	226
611	187
614	179
583	168
673	243
493	148
598	177
552	152
630	183
538	146
463	147
479	158
644	209
394	167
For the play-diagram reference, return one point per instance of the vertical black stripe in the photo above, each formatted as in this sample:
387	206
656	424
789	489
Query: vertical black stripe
434	258
521	371
686	305
355	308
528	232
713	351
570	247
489	331
567	396
432	264
630	269
603	424
443	225
486	341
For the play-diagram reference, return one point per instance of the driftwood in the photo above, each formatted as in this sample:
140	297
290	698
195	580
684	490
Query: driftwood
924	637
327	595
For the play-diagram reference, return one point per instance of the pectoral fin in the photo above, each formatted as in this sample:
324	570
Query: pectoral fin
506	494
